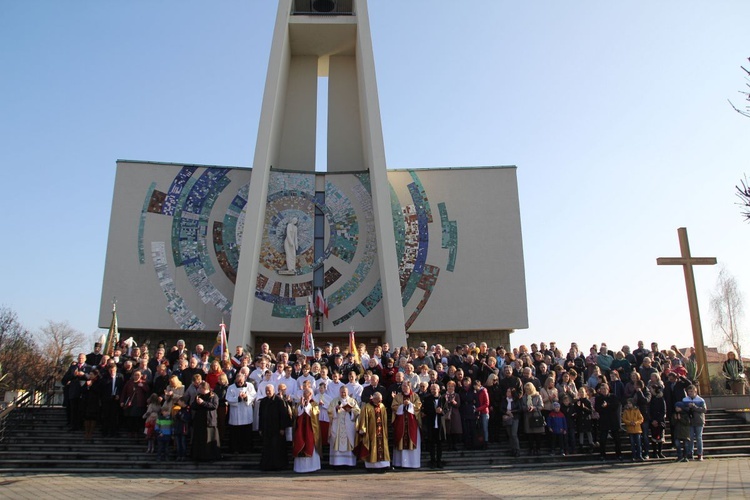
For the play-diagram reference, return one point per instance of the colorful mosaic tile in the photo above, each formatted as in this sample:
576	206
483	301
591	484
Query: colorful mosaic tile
350	227
450	236
421	198
176	307
330	277
173	196
364	202
426	283
190	224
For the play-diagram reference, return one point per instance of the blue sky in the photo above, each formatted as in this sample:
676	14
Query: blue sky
615	113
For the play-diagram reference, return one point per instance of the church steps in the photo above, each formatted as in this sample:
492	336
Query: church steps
38	440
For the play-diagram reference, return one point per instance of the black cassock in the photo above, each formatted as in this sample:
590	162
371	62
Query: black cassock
274	418
206	444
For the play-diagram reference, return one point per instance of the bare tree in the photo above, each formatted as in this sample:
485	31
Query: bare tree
19	354
59	340
728	310
746	111
743	193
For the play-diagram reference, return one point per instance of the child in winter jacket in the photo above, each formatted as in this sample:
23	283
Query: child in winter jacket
163	431
632	418
181	418
681	431
558	427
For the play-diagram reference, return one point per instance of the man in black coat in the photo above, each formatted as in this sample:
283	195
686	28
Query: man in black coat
73	381
176	352
95	357
527	377
674	392
372	388
510	381
608	407
433	409
274	419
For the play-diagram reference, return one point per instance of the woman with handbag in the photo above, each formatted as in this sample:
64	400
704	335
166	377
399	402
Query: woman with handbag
134	402
533	421
206	442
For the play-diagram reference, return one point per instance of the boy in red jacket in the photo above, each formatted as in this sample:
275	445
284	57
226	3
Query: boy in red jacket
558	427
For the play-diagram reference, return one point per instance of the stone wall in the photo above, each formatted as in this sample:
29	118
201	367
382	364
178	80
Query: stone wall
450	340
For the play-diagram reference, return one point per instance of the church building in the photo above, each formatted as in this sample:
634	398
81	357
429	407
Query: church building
398	256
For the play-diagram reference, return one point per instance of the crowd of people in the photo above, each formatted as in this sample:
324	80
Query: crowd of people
382	407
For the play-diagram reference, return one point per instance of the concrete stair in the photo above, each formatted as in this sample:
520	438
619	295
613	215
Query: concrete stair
37	440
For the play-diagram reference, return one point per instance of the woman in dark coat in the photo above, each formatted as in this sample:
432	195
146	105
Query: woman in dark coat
134	401
468	409
510	412
91	398
205	434
657	418
584	424
496	398
452	417
222	411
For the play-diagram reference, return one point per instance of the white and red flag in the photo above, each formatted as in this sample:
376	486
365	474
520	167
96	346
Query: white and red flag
321	303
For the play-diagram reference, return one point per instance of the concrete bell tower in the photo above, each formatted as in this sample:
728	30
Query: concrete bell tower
312	39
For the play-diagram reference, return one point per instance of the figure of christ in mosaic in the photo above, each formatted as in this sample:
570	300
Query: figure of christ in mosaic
290	246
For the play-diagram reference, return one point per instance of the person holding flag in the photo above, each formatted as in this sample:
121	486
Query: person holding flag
353	348
221	342
308	344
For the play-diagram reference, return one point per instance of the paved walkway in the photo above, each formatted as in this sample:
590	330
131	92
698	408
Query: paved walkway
715	478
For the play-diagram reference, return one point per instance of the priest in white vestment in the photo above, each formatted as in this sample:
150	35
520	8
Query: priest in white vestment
343	412
240	396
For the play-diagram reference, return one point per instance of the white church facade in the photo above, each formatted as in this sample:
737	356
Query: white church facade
399	255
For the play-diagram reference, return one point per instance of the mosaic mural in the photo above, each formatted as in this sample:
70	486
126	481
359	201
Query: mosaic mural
205	242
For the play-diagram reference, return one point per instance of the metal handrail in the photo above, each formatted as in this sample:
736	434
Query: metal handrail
38	396
20	402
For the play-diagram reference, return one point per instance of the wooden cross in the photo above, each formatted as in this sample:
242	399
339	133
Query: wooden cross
687	262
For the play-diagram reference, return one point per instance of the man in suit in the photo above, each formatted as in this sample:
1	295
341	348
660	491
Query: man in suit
73	380
368	391
608	406
110	387
433	409
176	352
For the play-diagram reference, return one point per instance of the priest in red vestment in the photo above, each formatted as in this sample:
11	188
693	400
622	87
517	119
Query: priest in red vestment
306	445
407	410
